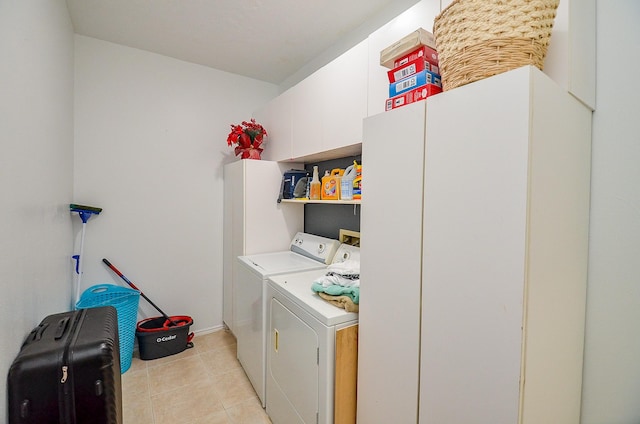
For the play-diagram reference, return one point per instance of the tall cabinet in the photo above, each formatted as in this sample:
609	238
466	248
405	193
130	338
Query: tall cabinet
390	270
253	220
476	312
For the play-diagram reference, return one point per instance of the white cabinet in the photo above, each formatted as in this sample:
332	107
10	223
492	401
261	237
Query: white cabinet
390	266
509	278
329	105
275	117
344	102
478	312
306	114
321	114
253	220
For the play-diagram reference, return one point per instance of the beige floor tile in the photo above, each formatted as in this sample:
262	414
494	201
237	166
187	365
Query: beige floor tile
135	382
203	385
214	418
137	364
137	410
248	412
176	374
214	340
221	360
186	404
233	387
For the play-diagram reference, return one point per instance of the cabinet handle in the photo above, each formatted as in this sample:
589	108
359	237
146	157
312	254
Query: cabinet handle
276	339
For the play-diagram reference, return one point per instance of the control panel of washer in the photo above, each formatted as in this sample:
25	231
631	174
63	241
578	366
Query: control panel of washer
346	252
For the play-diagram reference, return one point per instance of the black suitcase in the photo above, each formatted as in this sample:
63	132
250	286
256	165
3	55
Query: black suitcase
68	371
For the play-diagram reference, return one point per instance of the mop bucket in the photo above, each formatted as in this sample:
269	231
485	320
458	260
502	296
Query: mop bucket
159	337
125	300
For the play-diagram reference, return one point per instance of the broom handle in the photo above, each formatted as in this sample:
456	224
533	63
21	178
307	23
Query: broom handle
121	275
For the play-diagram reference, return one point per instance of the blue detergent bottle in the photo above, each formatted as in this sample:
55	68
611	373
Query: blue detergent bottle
346	184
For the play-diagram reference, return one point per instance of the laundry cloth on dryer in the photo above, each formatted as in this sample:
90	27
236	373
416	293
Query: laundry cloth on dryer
344	302
337	290
345	274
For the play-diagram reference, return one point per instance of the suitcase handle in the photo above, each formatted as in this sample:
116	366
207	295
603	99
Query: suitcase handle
35	334
39	331
62	327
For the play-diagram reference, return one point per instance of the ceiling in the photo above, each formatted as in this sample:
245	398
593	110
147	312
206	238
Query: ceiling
268	40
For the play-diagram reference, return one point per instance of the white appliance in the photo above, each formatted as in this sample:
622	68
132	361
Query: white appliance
306	252
301	351
253	221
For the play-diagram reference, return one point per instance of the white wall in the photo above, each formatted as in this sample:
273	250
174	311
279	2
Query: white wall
36	165
150	145
349	40
611	390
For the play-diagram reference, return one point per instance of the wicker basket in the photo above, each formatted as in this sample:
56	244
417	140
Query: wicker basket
477	39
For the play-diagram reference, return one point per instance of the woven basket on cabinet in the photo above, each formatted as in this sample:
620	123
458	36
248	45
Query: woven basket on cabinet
477	39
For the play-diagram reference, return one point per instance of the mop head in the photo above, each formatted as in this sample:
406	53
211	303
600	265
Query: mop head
86	209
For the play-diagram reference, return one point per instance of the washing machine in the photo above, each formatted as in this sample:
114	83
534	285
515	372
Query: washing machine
301	350
306	252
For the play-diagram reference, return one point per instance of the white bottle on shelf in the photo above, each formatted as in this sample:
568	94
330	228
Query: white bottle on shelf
315	186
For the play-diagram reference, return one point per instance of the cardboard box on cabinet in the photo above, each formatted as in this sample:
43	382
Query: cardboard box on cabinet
405	45
412	96
412	68
417	80
425	52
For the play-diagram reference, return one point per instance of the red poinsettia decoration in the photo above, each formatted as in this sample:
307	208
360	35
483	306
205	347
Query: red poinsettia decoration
248	136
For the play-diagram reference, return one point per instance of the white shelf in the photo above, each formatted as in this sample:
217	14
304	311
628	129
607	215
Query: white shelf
333	202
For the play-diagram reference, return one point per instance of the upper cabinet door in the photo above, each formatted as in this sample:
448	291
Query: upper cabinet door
571	57
345	98
306	114
328	106
275	117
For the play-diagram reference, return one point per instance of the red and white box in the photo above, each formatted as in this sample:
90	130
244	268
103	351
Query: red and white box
427	53
411	68
412	96
414	81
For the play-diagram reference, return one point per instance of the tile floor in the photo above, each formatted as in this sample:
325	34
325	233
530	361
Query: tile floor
205	384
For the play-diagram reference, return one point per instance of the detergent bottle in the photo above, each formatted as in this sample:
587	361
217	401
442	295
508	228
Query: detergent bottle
315	185
346	184
357	182
331	184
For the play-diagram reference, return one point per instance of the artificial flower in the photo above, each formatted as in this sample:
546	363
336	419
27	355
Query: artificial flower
247	135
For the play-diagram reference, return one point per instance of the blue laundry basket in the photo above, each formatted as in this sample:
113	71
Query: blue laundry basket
125	300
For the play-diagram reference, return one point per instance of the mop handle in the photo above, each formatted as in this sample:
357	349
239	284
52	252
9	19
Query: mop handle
79	263
121	275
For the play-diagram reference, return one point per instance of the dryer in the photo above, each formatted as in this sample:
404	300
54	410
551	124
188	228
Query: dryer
306	252
301	350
